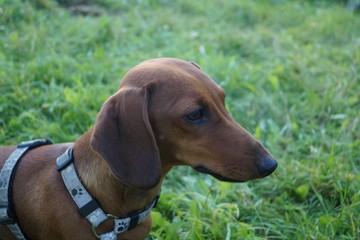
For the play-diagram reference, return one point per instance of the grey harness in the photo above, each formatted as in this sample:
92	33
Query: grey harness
89	208
7	213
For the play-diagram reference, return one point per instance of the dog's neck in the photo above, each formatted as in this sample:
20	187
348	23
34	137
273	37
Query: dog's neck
114	196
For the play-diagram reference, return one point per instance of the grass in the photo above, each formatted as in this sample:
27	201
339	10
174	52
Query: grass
292	73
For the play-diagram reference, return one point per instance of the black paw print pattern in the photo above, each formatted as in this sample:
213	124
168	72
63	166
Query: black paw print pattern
122	226
75	191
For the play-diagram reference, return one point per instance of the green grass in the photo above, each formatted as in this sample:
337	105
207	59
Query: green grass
292	73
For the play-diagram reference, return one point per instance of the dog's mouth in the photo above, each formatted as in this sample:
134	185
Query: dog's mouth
203	169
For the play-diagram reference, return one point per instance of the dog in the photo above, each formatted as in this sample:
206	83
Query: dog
166	112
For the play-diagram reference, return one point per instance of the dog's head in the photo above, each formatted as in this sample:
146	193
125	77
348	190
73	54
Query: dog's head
169	112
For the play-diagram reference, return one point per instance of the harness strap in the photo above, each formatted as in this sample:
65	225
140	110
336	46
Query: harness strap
89	208
7	213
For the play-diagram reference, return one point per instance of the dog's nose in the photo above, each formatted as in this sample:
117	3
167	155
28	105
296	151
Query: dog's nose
266	166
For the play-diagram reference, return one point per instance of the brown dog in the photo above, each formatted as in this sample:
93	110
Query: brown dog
166	112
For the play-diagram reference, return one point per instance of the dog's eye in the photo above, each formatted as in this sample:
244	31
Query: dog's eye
196	116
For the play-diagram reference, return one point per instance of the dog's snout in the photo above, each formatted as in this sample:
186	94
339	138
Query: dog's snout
266	166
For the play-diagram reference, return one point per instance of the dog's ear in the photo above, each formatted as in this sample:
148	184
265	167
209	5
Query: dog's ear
124	137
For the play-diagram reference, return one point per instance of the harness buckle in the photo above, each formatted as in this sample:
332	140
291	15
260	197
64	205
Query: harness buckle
64	160
120	226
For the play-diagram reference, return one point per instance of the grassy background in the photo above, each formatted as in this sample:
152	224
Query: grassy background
292	73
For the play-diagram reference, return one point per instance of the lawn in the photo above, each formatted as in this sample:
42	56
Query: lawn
291	70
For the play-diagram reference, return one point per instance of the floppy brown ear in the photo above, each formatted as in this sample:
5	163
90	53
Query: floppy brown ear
124	137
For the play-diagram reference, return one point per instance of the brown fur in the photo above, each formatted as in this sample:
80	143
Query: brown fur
141	132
